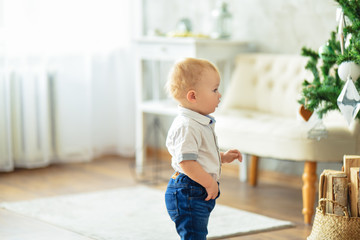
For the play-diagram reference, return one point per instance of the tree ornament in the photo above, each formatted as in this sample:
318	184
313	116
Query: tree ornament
341	19
318	131
305	113
349	101
325	49
347	40
347	69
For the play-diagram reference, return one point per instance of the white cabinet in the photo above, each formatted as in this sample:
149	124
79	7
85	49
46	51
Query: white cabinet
153	51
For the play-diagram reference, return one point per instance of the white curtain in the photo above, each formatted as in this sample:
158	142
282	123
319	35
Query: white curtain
66	81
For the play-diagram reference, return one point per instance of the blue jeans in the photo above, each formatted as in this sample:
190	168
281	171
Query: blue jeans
186	205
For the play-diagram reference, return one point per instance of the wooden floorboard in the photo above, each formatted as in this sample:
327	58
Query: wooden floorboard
268	198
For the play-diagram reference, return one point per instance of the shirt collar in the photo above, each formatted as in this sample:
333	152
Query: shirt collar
202	119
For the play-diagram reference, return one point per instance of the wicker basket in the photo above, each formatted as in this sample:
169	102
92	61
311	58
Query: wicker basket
333	227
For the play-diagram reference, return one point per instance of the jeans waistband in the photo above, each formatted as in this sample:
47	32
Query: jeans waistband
182	180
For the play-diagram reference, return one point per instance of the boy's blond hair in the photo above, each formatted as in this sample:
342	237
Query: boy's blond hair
185	74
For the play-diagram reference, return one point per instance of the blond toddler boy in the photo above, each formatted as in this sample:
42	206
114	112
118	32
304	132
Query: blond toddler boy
192	191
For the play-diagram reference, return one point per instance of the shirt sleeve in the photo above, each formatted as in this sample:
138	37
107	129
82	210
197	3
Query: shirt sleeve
183	143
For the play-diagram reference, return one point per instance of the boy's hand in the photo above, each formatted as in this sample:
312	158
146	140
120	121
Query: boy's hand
231	155
194	171
212	191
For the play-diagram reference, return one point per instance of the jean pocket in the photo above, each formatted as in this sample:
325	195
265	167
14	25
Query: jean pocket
198	193
201	207
171	202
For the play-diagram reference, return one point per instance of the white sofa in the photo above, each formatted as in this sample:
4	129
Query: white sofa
259	116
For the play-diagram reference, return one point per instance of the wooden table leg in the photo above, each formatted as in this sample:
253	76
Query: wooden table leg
253	170
308	190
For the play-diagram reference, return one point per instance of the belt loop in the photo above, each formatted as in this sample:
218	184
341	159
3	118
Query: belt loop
175	176
179	177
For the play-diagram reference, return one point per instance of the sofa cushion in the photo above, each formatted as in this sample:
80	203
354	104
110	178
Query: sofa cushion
279	137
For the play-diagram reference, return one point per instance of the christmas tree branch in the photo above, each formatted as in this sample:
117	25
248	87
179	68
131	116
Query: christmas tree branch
322	92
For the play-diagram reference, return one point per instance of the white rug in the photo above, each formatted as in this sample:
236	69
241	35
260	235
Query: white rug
136	213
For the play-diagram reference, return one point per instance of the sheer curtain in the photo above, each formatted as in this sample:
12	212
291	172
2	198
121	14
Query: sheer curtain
66	81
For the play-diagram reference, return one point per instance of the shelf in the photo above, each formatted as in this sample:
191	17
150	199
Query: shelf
162	107
163	48
181	40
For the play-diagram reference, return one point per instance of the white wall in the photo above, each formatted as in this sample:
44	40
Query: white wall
282	26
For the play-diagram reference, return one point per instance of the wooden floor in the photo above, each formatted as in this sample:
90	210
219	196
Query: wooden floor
273	200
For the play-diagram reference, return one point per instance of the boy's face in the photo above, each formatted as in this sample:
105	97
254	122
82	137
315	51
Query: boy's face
207	92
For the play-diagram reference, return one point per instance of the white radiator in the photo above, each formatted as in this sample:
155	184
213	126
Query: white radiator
45	118
26	121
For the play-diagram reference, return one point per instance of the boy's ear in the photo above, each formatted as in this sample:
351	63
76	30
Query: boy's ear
191	96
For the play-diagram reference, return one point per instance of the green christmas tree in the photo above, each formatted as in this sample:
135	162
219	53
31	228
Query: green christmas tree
322	92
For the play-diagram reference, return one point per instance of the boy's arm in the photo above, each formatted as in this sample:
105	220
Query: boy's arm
194	171
231	155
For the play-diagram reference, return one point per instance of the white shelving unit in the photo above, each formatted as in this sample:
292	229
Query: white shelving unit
160	49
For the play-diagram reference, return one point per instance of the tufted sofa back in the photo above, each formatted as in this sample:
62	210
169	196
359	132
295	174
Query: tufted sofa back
269	83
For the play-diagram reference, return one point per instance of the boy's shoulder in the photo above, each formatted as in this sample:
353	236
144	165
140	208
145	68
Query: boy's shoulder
185	122
182	121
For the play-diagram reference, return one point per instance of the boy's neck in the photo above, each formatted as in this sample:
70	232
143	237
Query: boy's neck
192	108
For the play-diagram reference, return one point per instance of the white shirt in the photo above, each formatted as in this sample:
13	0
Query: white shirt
192	137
